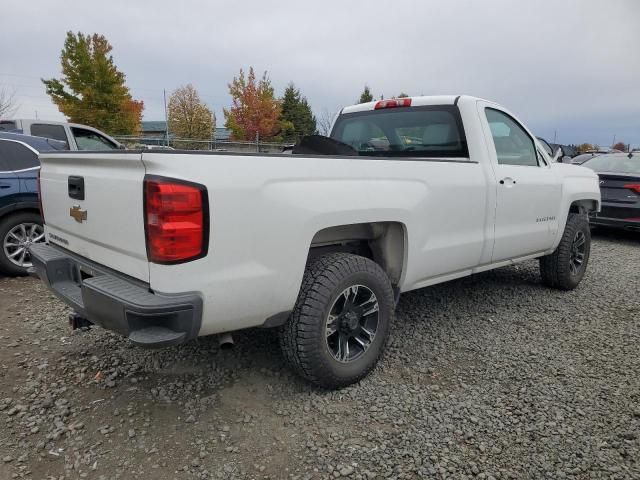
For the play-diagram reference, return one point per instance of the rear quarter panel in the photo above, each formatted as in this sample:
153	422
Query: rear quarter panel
264	212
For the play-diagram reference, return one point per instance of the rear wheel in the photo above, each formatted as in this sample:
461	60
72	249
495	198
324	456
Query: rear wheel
341	320
566	266
17	233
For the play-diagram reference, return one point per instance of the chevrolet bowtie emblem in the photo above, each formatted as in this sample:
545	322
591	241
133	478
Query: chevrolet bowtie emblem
78	214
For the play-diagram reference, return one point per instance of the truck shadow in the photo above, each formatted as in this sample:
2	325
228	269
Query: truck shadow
200	367
627	237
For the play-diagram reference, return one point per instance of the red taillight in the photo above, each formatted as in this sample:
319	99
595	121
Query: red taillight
633	186
40	196
393	103
176	220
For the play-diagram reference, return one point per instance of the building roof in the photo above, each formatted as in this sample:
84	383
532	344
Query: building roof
153	126
160	126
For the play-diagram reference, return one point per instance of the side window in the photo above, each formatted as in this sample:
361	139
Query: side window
7	125
55	132
15	156
88	140
513	145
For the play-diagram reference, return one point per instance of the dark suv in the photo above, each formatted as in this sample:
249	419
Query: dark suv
20	221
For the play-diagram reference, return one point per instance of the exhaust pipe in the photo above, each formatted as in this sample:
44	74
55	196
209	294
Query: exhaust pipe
79	322
225	341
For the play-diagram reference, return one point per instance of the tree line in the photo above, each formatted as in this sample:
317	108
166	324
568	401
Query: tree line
93	91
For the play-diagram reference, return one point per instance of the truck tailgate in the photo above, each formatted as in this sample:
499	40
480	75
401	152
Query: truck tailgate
104	222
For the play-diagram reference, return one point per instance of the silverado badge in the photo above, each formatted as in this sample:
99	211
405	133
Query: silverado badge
78	214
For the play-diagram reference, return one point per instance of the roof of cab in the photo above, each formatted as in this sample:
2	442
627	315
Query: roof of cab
415	102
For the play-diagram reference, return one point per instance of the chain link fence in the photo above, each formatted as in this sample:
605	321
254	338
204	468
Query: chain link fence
195	144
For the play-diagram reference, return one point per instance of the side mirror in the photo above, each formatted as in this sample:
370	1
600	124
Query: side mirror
566	159
557	155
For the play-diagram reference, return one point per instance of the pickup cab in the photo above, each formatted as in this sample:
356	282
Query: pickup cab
165	246
74	135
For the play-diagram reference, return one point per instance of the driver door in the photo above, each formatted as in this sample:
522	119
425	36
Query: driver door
528	191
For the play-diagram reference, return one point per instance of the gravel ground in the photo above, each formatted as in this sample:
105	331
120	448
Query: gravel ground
492	376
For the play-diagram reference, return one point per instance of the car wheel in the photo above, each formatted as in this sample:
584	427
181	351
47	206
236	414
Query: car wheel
17	233
565	267
340	324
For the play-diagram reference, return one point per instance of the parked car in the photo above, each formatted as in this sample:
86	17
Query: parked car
157	147
20	220
589	154
76	136
320	244
619	175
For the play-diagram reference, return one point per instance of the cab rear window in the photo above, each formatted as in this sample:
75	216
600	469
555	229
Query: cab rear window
7	126
429	131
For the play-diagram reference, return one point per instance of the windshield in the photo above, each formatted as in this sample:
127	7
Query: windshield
433	131
615	163
546	146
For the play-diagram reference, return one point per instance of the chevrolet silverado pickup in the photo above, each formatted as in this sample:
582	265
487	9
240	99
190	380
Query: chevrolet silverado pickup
165	246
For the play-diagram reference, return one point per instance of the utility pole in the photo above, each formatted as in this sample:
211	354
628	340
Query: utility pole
555	134
213	130
614	140
166	118
36	114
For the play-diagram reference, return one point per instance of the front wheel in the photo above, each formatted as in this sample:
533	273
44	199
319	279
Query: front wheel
565	267
340	324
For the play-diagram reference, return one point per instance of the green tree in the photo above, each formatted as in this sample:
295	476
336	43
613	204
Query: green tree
366	95
255	111
296	119
583	147
189	117
92	90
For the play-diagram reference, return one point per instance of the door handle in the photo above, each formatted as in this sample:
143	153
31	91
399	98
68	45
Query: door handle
5	185
507	181
76	187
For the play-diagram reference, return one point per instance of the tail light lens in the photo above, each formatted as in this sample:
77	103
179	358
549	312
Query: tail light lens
633	186
176	220
393	103
40	196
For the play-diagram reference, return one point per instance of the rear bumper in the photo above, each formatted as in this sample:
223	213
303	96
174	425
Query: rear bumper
116	302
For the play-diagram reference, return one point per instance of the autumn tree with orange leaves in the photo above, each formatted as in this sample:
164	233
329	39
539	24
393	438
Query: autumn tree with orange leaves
92	90
255	112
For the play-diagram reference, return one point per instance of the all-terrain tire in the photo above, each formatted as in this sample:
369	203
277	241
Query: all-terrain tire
556	268
303	338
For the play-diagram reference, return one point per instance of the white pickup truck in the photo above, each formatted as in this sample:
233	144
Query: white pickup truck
163	247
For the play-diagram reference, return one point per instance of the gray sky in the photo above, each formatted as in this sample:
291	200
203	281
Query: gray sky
571	66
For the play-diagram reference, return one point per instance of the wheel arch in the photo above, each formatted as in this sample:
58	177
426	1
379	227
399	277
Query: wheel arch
383	242
578	206
31	207
584	206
